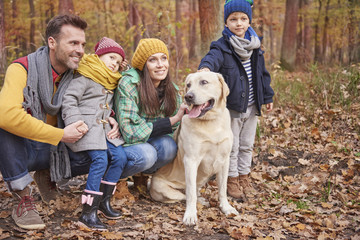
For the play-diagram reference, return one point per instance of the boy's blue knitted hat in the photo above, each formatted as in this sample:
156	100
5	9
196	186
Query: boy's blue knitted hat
238	6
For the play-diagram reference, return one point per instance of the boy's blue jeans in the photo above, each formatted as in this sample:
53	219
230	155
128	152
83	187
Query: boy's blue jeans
19	156
114	157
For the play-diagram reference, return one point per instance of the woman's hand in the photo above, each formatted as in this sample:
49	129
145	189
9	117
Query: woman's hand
179	114
114	132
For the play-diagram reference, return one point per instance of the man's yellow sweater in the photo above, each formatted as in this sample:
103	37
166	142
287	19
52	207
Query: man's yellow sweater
13	117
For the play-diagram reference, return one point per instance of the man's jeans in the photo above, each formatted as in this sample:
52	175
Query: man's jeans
244	130
19	156
114	157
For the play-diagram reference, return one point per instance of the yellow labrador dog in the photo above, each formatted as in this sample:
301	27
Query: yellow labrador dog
204	144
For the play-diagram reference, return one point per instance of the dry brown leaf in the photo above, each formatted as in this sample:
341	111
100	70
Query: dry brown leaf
112	235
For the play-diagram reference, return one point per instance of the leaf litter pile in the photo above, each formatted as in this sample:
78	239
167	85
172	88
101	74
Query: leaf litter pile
305	170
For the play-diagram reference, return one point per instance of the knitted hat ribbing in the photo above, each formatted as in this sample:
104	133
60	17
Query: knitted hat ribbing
146	48
238	6
107	45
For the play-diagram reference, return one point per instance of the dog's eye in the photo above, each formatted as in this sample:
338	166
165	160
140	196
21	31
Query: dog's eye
188	85
203	82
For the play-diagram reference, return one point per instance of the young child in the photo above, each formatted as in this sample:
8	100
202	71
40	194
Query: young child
237	56
89	98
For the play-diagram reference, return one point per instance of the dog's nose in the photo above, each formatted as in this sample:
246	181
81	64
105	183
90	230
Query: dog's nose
189	97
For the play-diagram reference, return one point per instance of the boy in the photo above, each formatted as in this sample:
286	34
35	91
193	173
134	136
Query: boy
237	56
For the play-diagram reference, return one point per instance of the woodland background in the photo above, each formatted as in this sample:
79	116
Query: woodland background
307	152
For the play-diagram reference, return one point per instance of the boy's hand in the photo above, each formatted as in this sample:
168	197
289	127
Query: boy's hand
269	107
83	128
205	69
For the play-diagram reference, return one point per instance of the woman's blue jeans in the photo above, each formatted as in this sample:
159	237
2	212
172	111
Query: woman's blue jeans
114	157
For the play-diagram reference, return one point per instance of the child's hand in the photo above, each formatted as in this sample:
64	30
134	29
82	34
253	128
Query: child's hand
115	131
124	65
205	69
269	107
83	128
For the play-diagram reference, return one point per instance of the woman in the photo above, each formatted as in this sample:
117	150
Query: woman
148	109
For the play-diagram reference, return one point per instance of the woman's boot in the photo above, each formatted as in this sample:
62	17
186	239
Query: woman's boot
89	217
108	190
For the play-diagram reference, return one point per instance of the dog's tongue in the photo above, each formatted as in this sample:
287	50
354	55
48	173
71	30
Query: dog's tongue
195	111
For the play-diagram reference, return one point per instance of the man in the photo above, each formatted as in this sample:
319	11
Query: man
31	137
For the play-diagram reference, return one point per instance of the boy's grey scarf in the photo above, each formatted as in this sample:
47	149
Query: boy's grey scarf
243	47
39	100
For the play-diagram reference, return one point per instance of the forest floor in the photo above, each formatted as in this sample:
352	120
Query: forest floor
305	169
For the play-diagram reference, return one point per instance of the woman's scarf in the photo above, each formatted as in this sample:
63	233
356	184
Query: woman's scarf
39	99
91	66
243	46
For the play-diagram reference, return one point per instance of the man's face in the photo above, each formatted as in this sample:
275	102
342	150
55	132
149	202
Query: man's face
67	51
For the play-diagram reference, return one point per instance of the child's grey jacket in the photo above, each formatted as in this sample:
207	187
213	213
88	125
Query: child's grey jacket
222	59
89	101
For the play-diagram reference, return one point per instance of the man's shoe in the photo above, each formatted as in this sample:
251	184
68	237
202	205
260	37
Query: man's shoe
25	214
47	188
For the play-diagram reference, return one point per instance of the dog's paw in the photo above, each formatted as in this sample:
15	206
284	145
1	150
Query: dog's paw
229	210
190	218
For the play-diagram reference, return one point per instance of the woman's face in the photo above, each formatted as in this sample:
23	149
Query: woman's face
158	66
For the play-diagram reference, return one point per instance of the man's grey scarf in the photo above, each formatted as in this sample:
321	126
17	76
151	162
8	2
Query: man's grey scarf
244	47
39	99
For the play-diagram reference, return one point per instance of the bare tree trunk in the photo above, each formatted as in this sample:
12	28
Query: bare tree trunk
66	6
134	21
106	17
211	22
179	34
317	56
2	41
307	32
14	17
192	31
32	26
288	48
324	37
353	37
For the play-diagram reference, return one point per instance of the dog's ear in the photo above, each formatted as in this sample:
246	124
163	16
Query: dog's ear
225	88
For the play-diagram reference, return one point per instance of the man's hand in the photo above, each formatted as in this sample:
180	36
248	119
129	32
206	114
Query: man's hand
74	131
114	132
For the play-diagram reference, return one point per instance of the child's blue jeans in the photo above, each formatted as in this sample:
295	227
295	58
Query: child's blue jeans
106	165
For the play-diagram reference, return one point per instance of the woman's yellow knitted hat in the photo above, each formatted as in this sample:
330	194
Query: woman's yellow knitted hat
146	48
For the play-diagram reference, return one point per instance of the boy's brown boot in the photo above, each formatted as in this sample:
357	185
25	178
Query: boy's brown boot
47	188
233	188
248	189
25	214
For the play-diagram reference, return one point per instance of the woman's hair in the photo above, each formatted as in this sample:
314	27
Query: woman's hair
151	98
54	26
